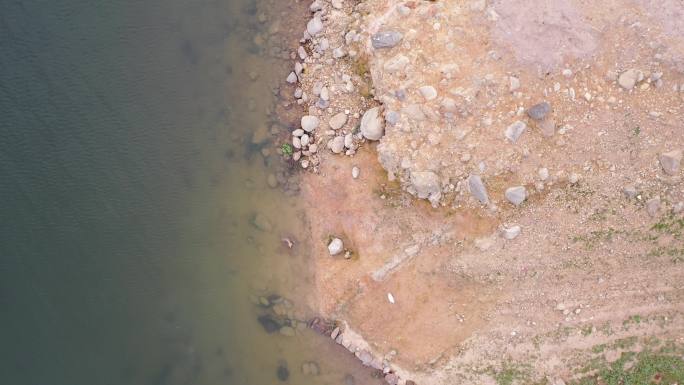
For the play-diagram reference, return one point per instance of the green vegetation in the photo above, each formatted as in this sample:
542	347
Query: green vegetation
287	149
639	369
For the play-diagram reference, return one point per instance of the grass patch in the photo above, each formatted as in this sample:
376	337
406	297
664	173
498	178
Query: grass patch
639	369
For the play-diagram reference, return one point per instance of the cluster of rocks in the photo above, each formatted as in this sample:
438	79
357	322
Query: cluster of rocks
355	344
328	72
276	315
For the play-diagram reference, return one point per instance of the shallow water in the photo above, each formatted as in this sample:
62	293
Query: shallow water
129	183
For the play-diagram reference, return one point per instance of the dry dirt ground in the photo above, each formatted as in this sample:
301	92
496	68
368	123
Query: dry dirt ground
598	268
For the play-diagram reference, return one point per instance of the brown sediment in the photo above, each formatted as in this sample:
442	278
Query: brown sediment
465	301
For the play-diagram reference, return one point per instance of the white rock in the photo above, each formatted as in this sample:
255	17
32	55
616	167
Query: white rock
325	94
428	92
338	121
516	195
305	140
336	144
390	297
301	51
314	26
298	132
567	72
296	142
309	123
316	6
573	178
426	185
338	53
355	172
291	78
511	232
372	124
335	246
515	130
671	161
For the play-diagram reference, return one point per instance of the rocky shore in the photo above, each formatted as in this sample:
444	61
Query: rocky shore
546	138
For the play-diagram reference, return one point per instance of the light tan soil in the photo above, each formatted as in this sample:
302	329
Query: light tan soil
591	266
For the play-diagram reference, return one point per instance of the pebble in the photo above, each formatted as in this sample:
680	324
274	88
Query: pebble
355	172
296	142
315	6
314	26
653	206
515	130
386	39
298	132
478	189
291	78
567	72
335	246
336	144
671	161
309	123
539	111
516	195
302	53
372	124
338	53
428	92
325	94
629	78
573	178
630	192
304	140
511	232
338	121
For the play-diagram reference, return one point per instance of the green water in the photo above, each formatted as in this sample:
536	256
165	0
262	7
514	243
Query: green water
127	187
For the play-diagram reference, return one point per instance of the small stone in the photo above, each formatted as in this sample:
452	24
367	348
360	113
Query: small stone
287	331
309	123
298	132
653	206
511	232
514	83
372	124
543	173
678	207
335	246
573	178
478	189
515	130
671	161
539	111
567	72
338	121
516	195
338	53
355	172
336	144
315	6
301	51
291	78
325	94
305	140
386	39
296	142
314	26
428	92
629	79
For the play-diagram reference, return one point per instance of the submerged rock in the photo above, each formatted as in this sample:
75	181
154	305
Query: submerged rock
269	323
283	373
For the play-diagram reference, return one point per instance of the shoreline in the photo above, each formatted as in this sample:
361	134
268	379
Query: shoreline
488	149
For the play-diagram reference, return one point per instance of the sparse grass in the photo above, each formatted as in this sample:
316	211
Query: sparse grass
639	369
510	374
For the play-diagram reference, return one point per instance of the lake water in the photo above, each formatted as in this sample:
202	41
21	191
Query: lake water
129	182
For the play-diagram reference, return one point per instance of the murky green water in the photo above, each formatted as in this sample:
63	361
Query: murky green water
128	184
